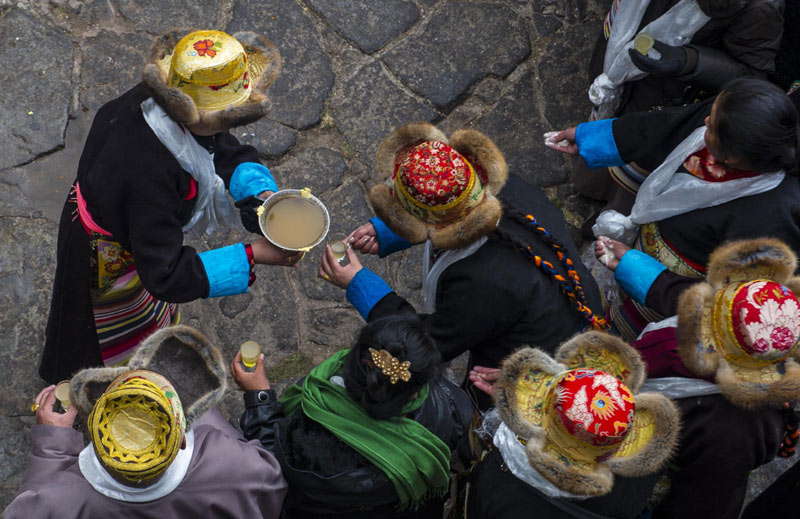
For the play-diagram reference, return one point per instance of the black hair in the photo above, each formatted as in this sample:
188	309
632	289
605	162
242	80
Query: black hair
405	338
756	122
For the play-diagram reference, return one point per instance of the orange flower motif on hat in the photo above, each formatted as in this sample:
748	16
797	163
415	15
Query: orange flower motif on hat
765	319
594	407
206	48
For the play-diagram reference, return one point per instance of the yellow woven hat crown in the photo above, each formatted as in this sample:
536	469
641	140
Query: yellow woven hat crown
137	426
213	68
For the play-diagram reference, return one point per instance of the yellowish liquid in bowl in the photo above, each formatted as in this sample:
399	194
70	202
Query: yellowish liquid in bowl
294	223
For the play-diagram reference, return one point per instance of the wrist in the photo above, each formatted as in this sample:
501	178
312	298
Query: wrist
259	397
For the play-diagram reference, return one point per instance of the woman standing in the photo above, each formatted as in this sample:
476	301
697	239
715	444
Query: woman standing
156	163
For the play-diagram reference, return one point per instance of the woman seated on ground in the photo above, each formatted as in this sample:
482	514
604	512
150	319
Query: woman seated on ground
367	433
500	268
723	169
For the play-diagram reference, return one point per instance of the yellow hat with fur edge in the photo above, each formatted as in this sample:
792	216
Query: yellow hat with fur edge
211	71
438	188
579	414
137	427
742	326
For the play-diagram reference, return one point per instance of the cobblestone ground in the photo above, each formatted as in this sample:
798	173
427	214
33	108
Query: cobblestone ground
353	70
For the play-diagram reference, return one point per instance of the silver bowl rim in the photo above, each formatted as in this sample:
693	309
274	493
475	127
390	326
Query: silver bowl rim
284	193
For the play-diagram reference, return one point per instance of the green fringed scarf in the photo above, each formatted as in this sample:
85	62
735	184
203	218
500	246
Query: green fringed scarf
416	461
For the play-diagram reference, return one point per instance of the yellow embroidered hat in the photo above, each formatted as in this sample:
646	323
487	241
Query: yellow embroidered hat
438	188
742	326
580	415
137	427
210	70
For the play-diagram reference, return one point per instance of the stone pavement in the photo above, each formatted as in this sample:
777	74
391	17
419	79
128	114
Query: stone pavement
353	70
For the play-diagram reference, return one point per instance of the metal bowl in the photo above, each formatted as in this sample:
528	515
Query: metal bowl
293	193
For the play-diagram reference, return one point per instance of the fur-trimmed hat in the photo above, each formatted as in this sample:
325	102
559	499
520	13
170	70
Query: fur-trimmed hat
742	326
181	354
580	417
211	77
438	188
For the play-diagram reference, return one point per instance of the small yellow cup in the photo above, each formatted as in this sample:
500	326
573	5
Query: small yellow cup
643	43
250	350
62	395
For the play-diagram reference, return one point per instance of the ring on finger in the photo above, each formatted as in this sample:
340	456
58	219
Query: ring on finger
326	277
34	407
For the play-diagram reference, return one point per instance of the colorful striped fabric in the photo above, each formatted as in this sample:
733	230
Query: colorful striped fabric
126	314
609	21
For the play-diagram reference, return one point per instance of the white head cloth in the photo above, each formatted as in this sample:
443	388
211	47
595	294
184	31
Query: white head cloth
96	475
675	27
213	208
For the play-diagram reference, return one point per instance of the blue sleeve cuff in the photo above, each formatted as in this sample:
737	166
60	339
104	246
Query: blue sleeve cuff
251	178
227	269
596	144
636	273
388	242
365	290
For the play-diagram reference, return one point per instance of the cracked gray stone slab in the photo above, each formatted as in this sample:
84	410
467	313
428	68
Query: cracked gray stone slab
335	327
461	43
368	105
16	444
159	17
35	74
320	169
26	274
306	78
269	138
515	126
563	77
266	314
368	24
112	65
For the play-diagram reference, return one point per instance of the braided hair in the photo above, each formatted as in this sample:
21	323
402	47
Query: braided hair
569	285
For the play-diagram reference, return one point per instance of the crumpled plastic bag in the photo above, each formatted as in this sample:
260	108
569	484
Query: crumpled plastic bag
617	226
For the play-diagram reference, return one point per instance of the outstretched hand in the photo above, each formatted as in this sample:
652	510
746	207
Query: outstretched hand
265	253
340	275
563	141
45	414
485	378
247	381
609	252
364	239
672	62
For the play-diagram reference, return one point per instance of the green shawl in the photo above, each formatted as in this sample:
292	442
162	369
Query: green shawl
416	461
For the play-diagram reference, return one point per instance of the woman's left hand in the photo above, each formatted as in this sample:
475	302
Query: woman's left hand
265	253
563	141
484	378
340	275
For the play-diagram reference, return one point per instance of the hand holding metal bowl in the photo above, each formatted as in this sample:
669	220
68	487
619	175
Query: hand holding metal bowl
294	220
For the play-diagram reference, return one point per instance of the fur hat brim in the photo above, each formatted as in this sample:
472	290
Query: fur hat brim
598	350
753	395
181	107
513	368
746	260
181	354
657	418
480	221
576	479
694	306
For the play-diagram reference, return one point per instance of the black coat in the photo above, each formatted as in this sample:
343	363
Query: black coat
496	300
327	478
646	138
135	189
740	39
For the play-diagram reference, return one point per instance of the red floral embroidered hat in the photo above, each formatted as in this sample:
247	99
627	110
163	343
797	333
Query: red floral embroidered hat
743	325
579	416
438	188
212	71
